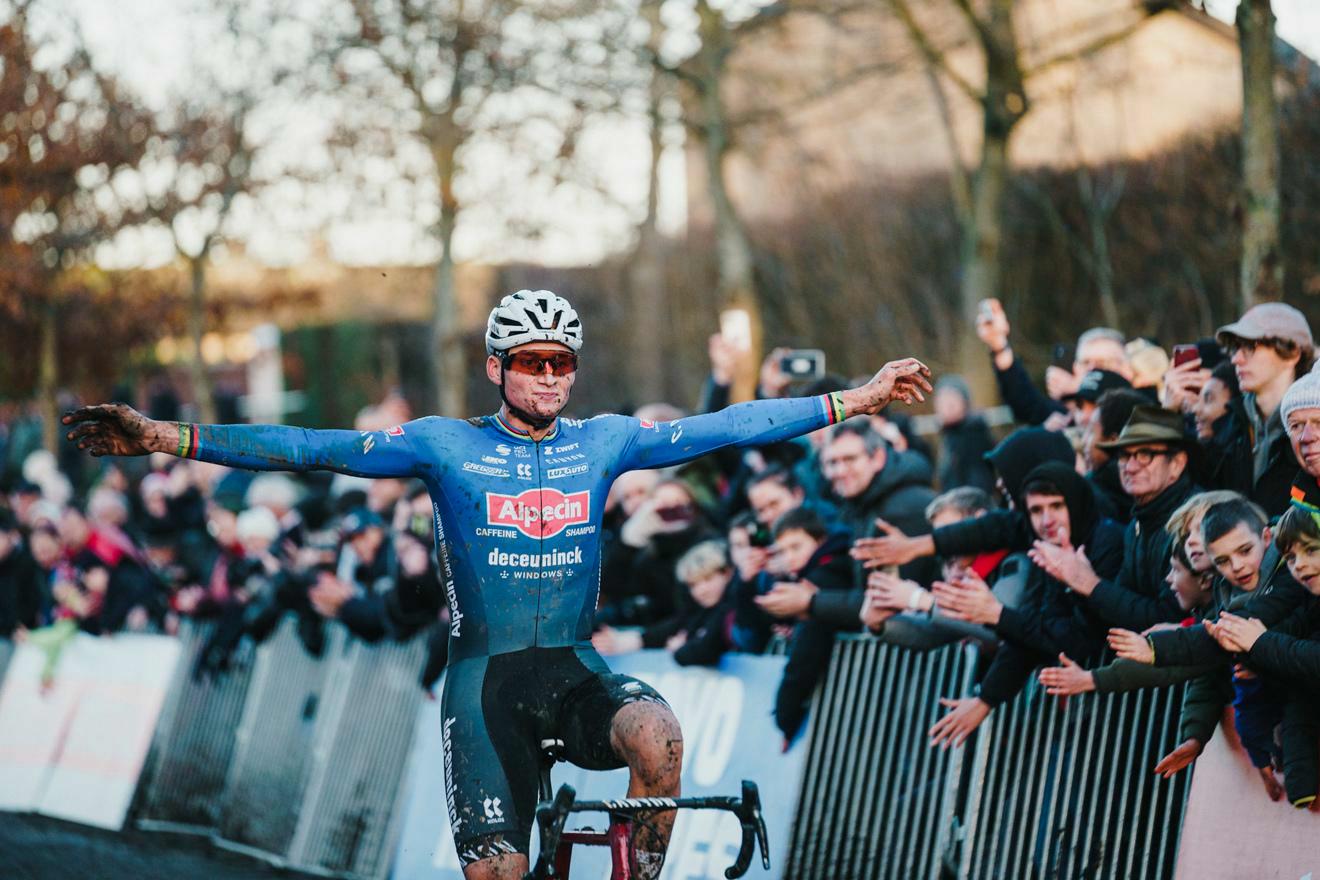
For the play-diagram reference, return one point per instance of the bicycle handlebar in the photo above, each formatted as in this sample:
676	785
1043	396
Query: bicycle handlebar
550	819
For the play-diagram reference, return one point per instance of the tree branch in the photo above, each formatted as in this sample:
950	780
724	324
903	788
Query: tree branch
933	56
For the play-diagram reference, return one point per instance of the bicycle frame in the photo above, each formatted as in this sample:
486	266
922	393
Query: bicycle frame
618	838
557	844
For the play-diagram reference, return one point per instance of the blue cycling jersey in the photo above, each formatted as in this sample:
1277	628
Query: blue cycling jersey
517	521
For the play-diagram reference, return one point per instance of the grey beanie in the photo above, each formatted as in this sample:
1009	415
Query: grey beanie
1302	394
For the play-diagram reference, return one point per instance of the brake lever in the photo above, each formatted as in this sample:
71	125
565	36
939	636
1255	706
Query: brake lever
751	796
753	832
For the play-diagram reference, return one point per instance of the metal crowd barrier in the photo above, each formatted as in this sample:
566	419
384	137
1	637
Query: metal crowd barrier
876	799
195	739
1066	789
349	821
275	740
295	759
1047	789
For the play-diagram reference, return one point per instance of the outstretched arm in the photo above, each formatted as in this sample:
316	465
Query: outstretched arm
761	422
116	429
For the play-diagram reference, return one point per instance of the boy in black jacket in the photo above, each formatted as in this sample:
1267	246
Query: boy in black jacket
810	561
1290	651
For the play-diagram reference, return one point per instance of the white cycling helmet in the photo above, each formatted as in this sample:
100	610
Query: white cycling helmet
532	316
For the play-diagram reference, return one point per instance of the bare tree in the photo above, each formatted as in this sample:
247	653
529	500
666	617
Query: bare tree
1261	275
437	82
716	121
204	160
979	192
67	129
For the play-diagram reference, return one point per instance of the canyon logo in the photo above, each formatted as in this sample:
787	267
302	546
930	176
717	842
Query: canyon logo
538	513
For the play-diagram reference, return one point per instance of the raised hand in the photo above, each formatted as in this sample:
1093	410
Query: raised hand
1064	564
1236	634
992	325
1179	758
787	599
968	598
907	380
891	591
892	547
1131	646
118	429
1067	679
1182	386
965	715
1059	383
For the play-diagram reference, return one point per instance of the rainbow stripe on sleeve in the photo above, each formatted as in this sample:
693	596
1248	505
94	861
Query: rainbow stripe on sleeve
188	440
833	403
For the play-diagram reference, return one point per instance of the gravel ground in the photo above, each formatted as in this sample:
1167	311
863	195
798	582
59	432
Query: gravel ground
40	848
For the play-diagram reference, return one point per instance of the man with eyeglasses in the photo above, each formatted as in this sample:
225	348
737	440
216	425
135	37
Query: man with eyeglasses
1152	453
519	497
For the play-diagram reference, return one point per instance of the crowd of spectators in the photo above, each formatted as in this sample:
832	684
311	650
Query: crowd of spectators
1146	521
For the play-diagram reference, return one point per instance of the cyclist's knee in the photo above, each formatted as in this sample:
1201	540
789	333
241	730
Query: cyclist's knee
647	736
497	866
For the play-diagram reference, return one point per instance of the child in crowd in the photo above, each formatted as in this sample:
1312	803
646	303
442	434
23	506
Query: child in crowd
707	632
1290	652
807	560
1238	542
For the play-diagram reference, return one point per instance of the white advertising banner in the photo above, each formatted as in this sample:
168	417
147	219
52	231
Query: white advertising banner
75	747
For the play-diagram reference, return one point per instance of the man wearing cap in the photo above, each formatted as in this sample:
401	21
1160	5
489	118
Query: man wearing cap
1111	413
1270	347
1152	454
518	498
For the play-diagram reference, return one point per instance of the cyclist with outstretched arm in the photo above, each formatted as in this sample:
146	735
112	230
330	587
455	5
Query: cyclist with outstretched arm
518	499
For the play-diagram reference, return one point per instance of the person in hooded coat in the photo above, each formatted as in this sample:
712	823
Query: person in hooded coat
1014	457
1051	619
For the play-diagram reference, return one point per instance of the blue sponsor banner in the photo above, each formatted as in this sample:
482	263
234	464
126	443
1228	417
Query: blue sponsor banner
728	736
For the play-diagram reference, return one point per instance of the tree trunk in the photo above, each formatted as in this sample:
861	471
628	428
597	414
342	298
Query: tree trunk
48	375
201	382
733	249
446	334
1262	264
981	255
648	296
1098	208
448	364
1004	104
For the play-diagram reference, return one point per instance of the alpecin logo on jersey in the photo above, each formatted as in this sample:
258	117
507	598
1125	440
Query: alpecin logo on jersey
538	513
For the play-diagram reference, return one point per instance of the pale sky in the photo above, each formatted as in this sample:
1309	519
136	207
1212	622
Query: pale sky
155	45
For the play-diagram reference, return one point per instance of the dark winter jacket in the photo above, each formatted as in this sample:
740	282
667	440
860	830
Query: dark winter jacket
1029	405
1052	619
829	569
962	455
1231	460
898	494
1138	598
709	633
1291	649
